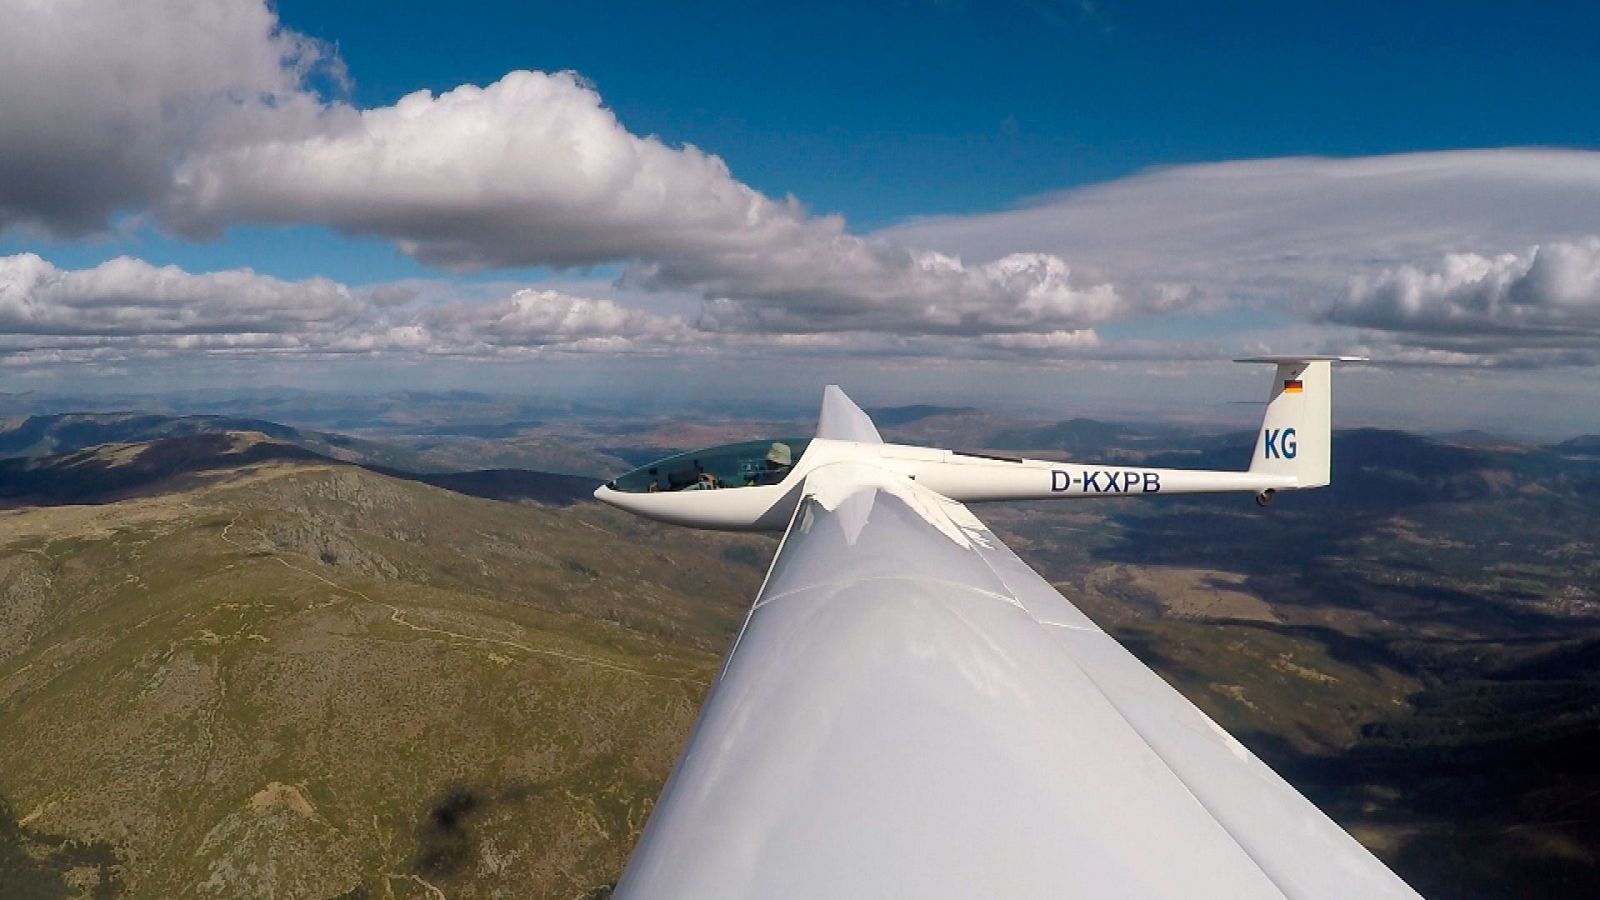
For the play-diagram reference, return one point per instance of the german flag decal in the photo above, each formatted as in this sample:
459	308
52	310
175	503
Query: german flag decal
1292	387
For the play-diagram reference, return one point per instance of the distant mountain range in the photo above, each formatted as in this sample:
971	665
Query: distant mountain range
1588	445
103	457
46	435
111	472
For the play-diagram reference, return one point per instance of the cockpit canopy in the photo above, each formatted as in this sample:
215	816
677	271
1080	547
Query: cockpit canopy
745	464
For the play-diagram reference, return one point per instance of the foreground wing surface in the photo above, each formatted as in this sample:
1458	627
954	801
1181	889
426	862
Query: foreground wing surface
911	711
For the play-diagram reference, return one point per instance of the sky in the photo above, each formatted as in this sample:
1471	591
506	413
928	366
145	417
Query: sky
1078	208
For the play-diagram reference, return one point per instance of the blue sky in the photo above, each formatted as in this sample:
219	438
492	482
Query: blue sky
1038	186
882	111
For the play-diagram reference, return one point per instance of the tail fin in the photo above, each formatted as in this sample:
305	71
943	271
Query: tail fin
1296	432
843	420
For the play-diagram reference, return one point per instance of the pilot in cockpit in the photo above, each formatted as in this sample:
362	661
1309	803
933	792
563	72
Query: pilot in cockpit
776	465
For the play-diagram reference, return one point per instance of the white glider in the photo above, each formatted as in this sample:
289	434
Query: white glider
910	711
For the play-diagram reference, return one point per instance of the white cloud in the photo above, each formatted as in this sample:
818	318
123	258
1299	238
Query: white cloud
200	111
535	170
124	297
1351	241
532	169
1260	228
861	284
203	114
98	98
1540	305
128	308
538	318
1049	340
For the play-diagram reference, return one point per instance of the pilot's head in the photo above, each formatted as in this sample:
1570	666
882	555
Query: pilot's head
779	456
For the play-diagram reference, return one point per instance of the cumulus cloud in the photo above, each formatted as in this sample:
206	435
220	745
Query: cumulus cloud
534	169
126	297
98	99
868	285
1518	308
539	318
129	309
202	113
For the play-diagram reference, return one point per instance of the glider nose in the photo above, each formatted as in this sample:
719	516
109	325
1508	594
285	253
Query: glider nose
624	500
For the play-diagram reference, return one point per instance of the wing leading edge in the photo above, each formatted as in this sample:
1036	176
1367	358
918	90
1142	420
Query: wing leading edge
911	711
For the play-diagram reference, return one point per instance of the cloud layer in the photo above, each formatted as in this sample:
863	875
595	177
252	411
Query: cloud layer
202	114
129	309
126	297
1481	257
1291	229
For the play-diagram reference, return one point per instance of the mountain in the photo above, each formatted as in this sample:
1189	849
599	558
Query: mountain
510	485
1585	445
892	416
44	435
111	472
1083	438
256	672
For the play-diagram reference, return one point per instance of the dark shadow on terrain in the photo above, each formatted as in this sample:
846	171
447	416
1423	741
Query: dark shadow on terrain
1491	784
445	842
1329	547
1487	784
53	435
88	476
105	475
35	865
891	416
447	834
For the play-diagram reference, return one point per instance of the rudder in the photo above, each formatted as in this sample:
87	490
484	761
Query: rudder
1297	431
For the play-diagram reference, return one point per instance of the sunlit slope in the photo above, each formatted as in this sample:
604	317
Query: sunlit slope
303	679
